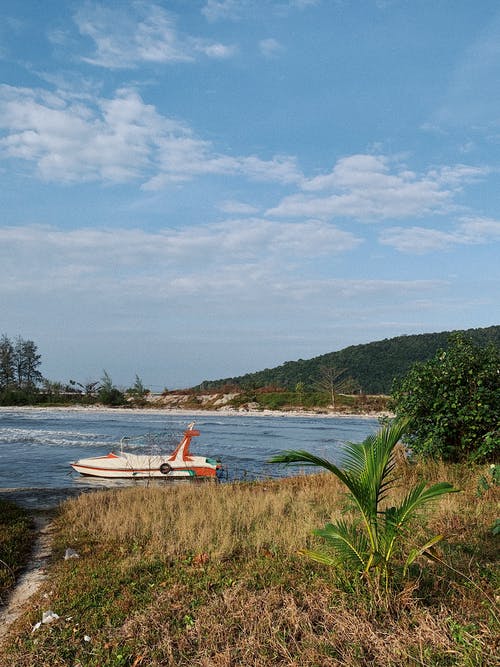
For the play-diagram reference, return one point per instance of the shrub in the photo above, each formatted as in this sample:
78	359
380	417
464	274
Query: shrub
453	403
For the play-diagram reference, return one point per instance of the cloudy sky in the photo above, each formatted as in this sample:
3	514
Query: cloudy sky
197	189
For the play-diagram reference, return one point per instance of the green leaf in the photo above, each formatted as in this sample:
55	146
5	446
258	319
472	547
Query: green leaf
350	545
415	553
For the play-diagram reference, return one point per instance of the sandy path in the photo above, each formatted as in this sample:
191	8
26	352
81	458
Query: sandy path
33	576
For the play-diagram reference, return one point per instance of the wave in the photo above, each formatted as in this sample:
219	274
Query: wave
25	436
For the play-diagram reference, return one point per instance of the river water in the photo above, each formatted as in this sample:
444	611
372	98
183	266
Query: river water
37	445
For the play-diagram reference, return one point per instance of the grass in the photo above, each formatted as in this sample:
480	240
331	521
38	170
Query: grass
265	399
210	576
15	544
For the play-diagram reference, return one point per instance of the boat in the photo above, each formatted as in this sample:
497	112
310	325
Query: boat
180	464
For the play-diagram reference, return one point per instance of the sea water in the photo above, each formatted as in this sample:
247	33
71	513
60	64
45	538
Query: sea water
37	445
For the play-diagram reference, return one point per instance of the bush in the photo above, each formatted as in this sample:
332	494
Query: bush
453	403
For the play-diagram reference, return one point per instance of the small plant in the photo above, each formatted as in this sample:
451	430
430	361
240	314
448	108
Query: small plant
487	482
369	548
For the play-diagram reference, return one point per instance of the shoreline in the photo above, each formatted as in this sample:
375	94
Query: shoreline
222	412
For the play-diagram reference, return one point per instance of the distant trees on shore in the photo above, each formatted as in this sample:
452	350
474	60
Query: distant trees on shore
22	383
19	369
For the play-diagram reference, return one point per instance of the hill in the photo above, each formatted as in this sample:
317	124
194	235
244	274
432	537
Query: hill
375	365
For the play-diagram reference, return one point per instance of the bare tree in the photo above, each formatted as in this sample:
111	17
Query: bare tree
334	381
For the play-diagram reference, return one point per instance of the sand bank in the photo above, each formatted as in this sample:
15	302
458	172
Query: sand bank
222	412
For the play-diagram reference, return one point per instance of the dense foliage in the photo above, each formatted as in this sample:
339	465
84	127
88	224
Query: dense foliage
453	402
19	370
108	394
373	366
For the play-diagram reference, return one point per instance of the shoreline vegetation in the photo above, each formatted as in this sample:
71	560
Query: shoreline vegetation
234	403
200	412
212	576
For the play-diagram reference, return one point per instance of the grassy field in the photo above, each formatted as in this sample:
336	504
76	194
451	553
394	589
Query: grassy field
15	544
211	576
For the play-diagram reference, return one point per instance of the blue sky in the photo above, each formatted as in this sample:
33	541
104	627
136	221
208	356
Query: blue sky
198	189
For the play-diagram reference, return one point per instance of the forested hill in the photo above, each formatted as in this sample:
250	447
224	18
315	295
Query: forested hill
374	365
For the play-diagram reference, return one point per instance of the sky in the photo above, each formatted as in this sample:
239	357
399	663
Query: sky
197	189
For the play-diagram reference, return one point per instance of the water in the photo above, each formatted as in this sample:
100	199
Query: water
37	445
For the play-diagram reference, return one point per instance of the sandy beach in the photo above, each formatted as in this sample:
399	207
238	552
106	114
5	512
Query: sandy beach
222	412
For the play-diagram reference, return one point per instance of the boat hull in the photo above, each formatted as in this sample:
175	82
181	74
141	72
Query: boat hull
120	473
179	464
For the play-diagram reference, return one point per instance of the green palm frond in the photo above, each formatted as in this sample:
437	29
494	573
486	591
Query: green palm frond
350	545
417	498
299	456
320	557
371	461
396	518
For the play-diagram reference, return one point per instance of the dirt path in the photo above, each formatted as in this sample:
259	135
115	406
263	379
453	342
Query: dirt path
33	576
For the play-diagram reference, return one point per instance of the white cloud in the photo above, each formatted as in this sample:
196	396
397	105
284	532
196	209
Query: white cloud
417	240
420	240
217	10
237	208
118	140
140	33
480	230
229	276
303	4
236	10
270	47
214	50
235	254
370	187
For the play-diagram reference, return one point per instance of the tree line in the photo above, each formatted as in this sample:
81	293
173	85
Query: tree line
22	383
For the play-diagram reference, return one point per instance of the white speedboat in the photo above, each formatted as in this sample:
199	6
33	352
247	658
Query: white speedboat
179	464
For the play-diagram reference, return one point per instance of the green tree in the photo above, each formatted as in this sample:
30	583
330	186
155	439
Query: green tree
26	364
6	362
299	392
453	403
368	473
108	393
138	389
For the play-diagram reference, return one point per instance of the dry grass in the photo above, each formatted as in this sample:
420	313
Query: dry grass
220	520
277	627
208	576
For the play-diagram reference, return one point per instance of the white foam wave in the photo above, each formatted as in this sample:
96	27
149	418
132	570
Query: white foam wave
19	436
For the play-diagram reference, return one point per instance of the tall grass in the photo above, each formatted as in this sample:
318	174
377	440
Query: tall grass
219	520
242	518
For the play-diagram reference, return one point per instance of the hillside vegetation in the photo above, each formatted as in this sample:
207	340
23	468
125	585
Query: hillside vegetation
374	366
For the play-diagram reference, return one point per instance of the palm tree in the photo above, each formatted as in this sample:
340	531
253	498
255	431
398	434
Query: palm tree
368	474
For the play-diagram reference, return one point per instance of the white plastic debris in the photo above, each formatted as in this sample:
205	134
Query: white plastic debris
86	638
49	616
71	553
